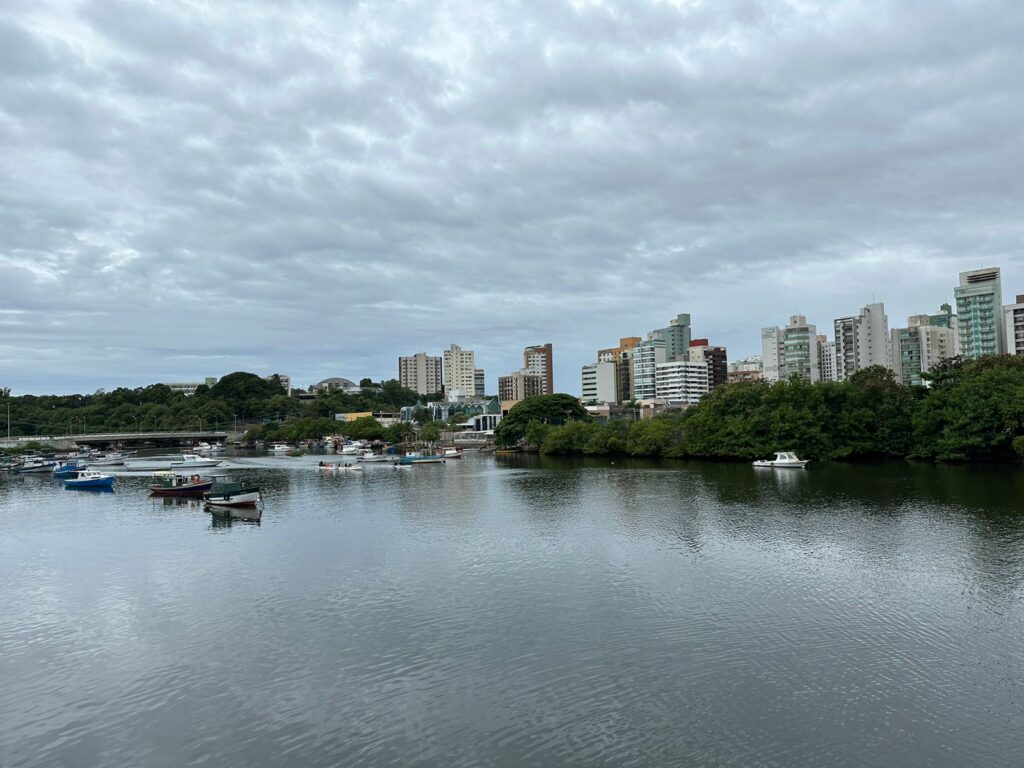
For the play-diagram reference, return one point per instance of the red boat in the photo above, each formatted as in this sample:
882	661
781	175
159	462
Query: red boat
181	485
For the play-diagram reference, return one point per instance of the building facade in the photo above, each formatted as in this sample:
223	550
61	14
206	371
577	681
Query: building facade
771	354
919	347
537	360
479	383
600	382
517	387
646	356
622	356
715	358
421	373
459	369
826	359
979	309
862	340
790	351
1013	321
682	383
676	336
747	369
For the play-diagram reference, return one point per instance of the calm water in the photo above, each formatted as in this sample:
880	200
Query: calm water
488	613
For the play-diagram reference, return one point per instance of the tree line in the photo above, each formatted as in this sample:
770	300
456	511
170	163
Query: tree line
970	411
239	399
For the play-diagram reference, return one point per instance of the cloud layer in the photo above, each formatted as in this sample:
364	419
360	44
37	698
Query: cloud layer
191	188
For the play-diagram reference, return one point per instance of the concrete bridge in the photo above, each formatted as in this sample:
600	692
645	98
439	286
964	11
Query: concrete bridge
165	437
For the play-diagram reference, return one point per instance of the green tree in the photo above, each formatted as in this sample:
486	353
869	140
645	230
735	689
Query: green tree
430	433
553	410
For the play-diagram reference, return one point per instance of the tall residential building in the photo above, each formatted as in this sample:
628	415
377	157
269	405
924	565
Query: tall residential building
921	346
800	349
1013	318
459	370
420	373
600	382
537	360
862	340
979	309
518	386
622	356
676	336
479	383
826	359
646	356
682	382
717	361
790	351
771	354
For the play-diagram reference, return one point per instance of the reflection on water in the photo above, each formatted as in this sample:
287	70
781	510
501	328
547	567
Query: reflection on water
523	611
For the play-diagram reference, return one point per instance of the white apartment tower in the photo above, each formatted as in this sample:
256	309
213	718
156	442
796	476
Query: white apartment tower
459	370
826	359
862	340
600	382
682	382
790	351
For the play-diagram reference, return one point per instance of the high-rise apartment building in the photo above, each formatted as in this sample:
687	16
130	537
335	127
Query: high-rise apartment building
517	387
646	356
922	345
479	383
459	370
790	351
420	373
979	309
676	336
1013	319
771	354
622	356
537	360
715	358
682	382
600	382
826	359
862	340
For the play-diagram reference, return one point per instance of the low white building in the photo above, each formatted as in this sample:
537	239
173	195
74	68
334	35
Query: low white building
681	382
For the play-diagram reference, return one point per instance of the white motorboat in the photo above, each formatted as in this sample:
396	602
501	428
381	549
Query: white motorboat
280	448
453	453
189	460
112	459
783	460
349	450
368	456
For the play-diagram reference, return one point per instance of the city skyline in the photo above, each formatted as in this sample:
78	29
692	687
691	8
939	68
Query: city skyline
318	193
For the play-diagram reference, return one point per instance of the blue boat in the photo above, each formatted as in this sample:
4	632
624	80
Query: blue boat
68	469
92	480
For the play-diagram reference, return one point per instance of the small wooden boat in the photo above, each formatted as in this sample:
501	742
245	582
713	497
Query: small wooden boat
415	457
68	469
233	494
505	451
453	453
228	513
90	479
35	466
172	484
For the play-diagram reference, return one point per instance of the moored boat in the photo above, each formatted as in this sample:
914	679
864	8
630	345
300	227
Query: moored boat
172	484
783	460
90	479
233	494
453	453
194	460
68	469
280	448
415	457
35	466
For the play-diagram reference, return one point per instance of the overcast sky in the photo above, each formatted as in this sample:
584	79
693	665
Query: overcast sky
314	188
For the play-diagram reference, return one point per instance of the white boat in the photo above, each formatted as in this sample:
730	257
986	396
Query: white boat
349	450
368	456
453	453
202	446
280	448
337	467
783	460
111	459
189	460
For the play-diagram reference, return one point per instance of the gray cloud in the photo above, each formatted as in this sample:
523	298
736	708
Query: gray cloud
317	187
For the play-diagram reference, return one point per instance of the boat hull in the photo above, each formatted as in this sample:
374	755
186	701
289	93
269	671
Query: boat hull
91	484
194	489
243	498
